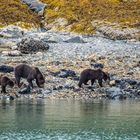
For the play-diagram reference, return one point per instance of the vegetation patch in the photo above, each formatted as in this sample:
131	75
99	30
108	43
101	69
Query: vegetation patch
14	12
80	13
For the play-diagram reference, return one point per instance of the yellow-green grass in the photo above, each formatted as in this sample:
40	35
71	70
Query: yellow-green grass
14	12
80	13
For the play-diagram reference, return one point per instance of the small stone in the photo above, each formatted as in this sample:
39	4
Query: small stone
14	47
39	53
112	83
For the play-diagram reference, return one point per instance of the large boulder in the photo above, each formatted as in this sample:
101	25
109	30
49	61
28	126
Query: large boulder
116	93
29	45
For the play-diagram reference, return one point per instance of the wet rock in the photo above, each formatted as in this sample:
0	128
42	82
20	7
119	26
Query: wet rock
76	39
76	78
6	69
67	86
11	98
65	73
114	92
29	45
57	87
97	65
131	82
26	90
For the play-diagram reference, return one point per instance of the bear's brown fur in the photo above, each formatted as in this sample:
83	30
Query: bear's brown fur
90	74
4	81
29	73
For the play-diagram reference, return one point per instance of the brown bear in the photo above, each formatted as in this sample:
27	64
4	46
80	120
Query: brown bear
29	73
4	81
90	74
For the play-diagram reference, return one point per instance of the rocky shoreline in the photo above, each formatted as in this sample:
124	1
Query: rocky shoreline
67	54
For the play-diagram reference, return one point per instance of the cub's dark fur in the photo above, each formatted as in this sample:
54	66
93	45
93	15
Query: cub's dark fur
90	74
29	73
4	81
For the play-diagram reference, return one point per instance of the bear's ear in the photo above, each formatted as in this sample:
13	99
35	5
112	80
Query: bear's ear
36	68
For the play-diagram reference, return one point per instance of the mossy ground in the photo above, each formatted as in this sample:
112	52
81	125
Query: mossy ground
80	13
14	12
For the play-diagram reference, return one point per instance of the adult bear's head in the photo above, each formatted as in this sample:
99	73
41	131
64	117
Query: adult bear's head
106	76
40	80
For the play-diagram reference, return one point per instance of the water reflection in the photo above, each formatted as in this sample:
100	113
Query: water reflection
50	118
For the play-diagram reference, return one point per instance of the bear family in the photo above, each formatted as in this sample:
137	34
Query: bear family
33	73
23	71
91	74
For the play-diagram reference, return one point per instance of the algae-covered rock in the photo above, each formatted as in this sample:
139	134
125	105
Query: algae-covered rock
29	45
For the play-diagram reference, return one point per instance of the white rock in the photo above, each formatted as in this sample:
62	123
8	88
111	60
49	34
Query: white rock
14	47
12	53
39	53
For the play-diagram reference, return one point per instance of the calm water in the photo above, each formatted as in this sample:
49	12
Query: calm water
69	120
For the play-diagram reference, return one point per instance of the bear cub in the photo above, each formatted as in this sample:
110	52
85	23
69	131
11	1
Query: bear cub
5	81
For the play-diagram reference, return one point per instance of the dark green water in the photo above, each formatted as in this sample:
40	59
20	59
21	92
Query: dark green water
69	120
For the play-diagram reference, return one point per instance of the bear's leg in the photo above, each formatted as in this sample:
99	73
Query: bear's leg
85	82
92	82
3	89
30	82
80	83
17	80
100	82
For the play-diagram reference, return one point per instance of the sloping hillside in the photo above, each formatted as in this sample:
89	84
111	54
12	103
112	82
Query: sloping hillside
13	11
80	13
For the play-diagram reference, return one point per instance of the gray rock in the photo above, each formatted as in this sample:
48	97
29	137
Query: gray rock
54	39
131	82
65	73
35	5
26	90
29	45
76	39
12	31
115	92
